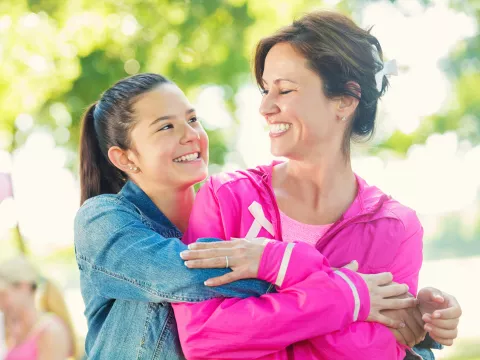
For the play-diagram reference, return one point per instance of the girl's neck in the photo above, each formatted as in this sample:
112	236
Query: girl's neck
176	205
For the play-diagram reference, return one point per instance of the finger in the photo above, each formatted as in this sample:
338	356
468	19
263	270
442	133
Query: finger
224	279
212	245
441	333
444	324
387	321
435	295
395	304
215	263
418	331
393	290
417	315
206	253
453	312
446	342
400	338
408	335
383	278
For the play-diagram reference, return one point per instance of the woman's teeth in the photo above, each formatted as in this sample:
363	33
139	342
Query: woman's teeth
279	128
189	157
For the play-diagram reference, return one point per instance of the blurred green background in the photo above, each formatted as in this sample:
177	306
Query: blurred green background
56	57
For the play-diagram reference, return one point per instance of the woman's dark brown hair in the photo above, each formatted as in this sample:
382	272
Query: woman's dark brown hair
342	54
108	123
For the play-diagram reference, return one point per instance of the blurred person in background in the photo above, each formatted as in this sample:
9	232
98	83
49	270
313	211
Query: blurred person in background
37	322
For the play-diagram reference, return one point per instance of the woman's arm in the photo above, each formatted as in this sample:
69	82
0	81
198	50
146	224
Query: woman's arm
124	259
365	340
308	291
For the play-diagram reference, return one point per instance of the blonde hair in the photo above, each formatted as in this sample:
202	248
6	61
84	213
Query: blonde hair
50	297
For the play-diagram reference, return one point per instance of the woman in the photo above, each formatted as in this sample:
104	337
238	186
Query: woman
321	78
34	333
142	151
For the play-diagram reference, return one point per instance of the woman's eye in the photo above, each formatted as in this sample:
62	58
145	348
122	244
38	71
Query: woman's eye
193	119
284	92
166	127
264	92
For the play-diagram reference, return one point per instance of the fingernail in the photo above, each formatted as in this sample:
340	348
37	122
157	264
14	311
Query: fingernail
436	315
428	328
187	263
207	283
402	325
184	254
192	246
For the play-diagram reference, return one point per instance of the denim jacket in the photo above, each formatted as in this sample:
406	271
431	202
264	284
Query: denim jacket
130	270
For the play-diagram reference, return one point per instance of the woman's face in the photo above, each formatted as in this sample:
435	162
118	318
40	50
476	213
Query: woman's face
303	122
169	145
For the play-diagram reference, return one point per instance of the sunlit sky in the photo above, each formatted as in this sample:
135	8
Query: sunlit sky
434	179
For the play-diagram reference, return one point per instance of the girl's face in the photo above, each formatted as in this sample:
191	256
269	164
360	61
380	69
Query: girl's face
304	123
168	144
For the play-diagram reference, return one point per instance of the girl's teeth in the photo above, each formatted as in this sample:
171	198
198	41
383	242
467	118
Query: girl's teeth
279	128
189	157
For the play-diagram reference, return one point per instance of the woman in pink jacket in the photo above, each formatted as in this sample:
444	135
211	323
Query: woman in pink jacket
321	80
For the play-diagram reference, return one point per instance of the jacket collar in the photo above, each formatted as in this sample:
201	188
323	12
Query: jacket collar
133	193
369	199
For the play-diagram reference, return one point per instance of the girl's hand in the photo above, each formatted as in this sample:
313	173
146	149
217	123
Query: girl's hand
441	313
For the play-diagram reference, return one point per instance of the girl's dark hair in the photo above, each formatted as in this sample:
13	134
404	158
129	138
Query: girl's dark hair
108	123
339	52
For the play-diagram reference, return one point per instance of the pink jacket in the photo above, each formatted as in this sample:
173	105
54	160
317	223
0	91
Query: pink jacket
318	313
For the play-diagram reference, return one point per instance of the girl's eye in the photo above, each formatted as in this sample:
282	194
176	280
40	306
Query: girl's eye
284	92
264	92
193	119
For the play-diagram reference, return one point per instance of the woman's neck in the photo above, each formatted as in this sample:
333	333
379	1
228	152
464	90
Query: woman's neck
324	188
176	205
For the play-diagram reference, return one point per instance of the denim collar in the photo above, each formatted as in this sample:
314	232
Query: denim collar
133	193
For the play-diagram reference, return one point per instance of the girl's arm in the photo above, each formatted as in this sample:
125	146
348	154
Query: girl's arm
125	259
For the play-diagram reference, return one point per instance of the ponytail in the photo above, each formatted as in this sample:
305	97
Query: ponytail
97	174
108	123
51	301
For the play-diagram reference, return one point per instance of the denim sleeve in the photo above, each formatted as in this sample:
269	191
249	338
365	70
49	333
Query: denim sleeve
123	258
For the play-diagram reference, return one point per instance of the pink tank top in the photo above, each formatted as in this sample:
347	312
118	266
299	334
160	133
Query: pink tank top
28	350
293	230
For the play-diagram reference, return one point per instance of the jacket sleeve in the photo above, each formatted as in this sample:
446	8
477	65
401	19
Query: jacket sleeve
366	340
125	259
255	327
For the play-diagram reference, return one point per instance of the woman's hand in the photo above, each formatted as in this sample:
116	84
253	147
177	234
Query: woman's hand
241	255
385	295
413	332
441	313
